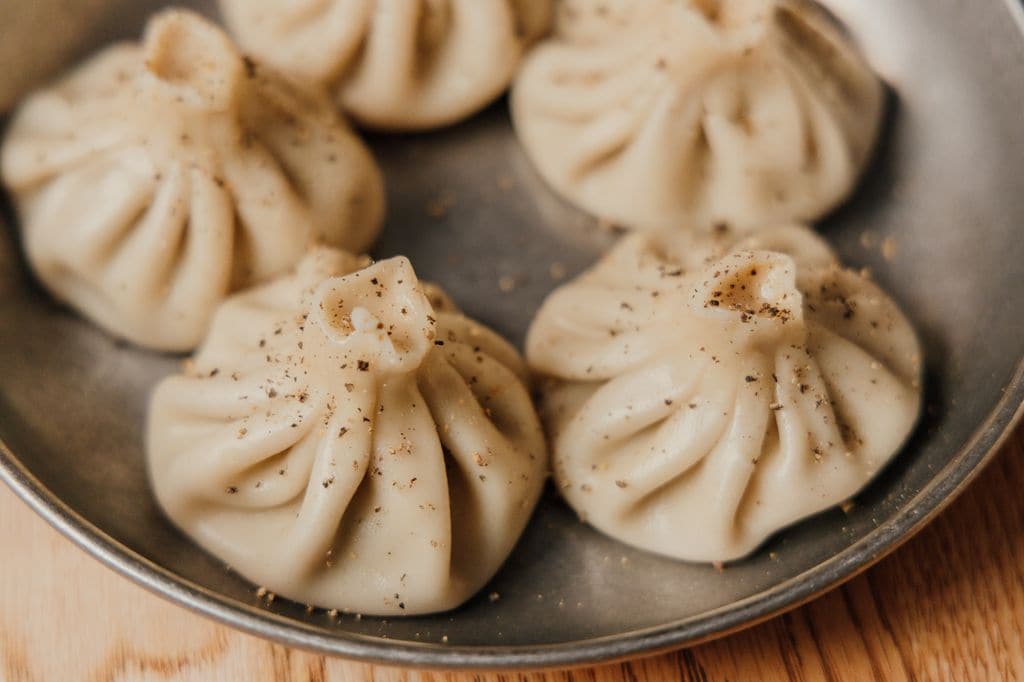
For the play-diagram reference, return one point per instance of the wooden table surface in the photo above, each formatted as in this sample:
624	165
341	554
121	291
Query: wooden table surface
948	605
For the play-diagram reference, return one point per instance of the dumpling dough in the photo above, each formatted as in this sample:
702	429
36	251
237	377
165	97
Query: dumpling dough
680	113
154	179
709	392
350	444
395	64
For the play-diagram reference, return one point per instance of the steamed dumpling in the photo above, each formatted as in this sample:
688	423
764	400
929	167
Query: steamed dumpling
395	64
350	443
156	178
708	392
671	113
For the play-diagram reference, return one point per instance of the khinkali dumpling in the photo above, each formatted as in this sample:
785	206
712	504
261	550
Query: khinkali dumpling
709	392
672	113
154	179
395	64
349	443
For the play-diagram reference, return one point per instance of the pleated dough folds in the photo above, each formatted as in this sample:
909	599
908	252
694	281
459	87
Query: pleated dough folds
395	64
156	178
682	113
347	439
705	392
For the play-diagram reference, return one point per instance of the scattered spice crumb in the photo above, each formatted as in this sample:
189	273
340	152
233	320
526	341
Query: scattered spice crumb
890	249
610	226
439	206
506	283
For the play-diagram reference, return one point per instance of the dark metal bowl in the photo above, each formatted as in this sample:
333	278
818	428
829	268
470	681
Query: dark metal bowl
946	188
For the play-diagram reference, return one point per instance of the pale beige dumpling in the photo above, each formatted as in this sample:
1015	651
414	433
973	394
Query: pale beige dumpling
345	438
395	64
706	392
156	178
698	113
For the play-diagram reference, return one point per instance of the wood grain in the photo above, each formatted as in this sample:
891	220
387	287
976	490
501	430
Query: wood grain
948	605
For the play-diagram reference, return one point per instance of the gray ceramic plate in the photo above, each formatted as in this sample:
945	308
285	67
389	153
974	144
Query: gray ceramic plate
946	188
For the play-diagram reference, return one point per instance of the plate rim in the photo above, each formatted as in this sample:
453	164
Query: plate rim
977	451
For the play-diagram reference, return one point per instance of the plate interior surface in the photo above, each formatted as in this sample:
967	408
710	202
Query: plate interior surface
944	190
